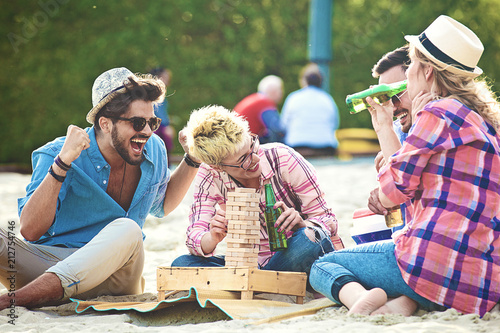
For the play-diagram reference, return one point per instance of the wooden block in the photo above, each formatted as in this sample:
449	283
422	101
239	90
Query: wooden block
233	245
235	256
246	295
245	190
237	236
241	205
233	227
183	278
230	263
249	231
246	223
243	195
253	259
247	199
242	229
246	240
245	250
237	213
242	217
242	209
239	256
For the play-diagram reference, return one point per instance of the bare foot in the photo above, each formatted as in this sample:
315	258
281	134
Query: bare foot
369	301
402	305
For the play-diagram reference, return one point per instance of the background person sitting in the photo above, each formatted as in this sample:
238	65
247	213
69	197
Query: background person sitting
261	110
310	116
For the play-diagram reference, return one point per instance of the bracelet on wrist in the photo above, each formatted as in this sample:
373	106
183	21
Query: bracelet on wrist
56	176
190	162
61	164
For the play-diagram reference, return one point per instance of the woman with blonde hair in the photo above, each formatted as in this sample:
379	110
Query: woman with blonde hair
232	157
448	172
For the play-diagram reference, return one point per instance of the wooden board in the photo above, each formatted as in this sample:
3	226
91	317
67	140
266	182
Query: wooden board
242	279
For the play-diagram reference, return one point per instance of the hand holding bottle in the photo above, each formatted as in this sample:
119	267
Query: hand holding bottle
277	239
374	203
381	115
289	220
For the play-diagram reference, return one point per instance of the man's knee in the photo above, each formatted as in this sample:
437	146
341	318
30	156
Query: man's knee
127	229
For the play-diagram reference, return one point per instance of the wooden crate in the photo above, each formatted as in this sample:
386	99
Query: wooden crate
246	280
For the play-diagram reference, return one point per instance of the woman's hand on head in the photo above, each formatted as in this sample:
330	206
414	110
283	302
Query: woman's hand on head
421	100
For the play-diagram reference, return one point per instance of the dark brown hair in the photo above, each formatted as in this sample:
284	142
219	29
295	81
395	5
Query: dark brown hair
145	88
398	57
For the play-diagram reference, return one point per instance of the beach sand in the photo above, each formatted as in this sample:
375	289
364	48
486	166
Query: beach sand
347	185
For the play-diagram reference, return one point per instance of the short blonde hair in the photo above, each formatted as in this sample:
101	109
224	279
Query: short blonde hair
213	133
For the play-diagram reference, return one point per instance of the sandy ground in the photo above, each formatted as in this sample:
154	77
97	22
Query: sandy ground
347	185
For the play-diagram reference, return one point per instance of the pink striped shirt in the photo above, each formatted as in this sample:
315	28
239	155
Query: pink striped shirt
450	166
293	180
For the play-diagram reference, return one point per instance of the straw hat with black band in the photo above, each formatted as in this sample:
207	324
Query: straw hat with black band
106	87
451	45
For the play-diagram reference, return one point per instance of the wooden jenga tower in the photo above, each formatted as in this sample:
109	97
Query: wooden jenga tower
241	272
243	235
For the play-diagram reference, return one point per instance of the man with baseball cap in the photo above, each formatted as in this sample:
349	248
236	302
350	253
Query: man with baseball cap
89	196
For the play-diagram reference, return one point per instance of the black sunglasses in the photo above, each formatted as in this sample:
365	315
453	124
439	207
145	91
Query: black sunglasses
139	123
396	99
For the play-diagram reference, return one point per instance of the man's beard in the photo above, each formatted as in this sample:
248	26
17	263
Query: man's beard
121	148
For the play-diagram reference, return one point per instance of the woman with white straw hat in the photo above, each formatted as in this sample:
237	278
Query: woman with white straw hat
448	169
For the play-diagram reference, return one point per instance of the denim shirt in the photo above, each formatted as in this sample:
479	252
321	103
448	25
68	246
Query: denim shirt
83	206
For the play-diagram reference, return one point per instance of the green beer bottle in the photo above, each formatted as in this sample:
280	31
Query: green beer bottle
277	240
380	93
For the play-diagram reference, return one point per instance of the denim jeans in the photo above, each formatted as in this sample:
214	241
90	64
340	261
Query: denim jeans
298	257
372	265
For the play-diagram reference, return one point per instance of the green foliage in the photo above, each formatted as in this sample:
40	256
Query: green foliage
218	50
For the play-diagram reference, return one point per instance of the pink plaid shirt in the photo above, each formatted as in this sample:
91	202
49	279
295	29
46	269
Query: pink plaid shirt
293	180
450	166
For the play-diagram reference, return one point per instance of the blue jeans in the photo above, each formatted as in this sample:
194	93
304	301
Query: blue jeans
298	257
372	265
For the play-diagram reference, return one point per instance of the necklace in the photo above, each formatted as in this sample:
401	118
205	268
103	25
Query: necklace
123	181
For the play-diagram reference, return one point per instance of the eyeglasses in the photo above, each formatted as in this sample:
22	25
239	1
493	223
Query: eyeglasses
247	160
396	99
138	123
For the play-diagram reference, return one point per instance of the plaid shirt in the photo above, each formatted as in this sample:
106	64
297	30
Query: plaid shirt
293	180
449	165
